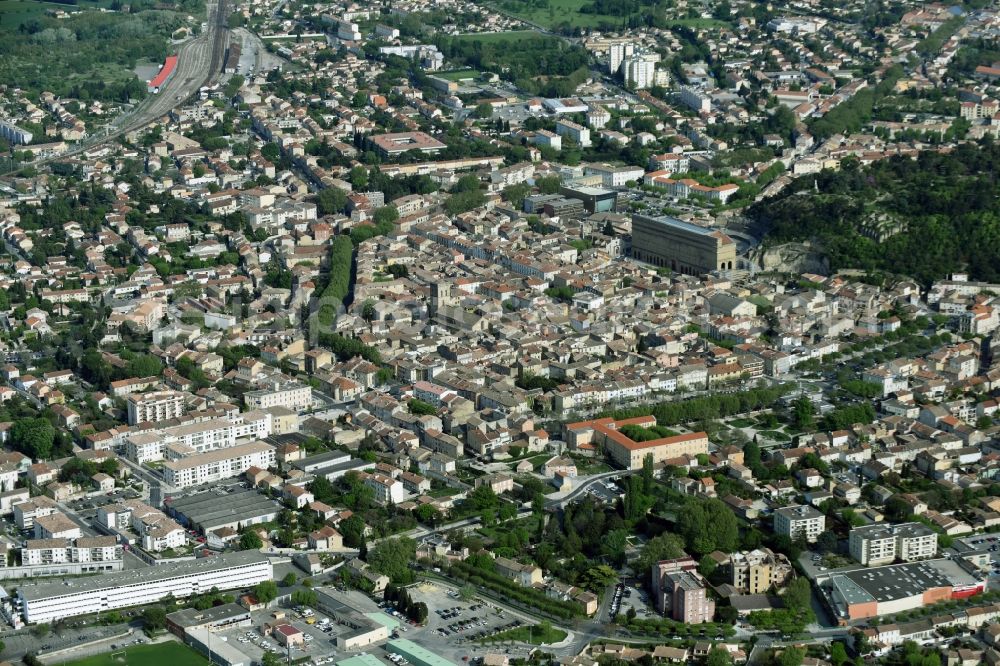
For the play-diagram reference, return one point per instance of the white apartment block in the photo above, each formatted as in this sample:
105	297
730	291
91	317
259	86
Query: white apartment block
294	396
155	529
799	521
579	133
66	551
25	513
47	602
387	490
155	406
217	465
874	545
639	72
695	100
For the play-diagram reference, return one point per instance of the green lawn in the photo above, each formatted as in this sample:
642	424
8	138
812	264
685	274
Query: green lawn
458	74
535	635
160	654
699	23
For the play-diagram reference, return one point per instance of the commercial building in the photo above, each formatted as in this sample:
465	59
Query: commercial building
879	544
218	465
627	452
47	602
865	593
154	406
681	246
799	522
595	199
416	655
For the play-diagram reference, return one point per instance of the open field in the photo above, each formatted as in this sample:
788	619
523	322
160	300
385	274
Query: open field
15	12
160	654
558	11
486	37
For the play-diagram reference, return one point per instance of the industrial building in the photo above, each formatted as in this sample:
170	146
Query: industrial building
681	246
47	602
364	628
164	75
416	655
209	511
865	593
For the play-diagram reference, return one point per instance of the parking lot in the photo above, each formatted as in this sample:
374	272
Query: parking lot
626	598
319	634
458	629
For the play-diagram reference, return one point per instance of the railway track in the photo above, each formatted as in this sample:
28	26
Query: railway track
192	73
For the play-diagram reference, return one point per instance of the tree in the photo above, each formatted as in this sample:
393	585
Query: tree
289	579
647	474
803	413
663	547
353	531
154	619
368	311
827	540
33	437
797	594
392	558
331	201
250	540
838	654
548	184
266	591
707	566
305	597
792	656
718	656
271	659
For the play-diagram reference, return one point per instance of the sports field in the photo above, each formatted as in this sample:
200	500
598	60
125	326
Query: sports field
159	654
